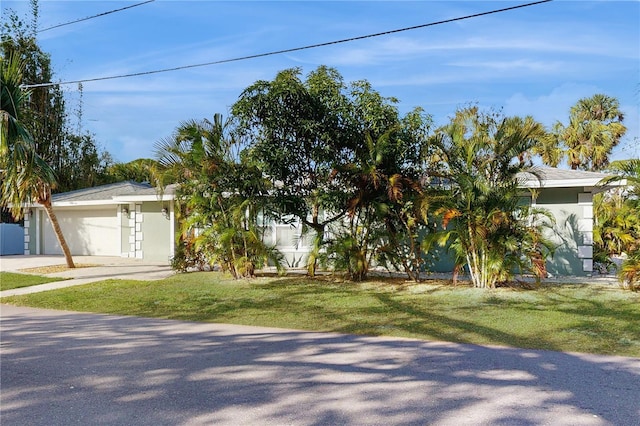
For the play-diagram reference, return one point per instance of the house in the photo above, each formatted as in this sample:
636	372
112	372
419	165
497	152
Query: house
568	196
125	219
132	220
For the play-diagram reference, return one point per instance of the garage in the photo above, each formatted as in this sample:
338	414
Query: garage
88	232
123	219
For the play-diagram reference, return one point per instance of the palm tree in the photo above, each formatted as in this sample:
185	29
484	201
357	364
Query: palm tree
595	128
218	199
627	170
480	206
26	177
617	228
629	274
549	148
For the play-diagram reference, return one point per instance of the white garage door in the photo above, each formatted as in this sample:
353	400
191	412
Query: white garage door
87	232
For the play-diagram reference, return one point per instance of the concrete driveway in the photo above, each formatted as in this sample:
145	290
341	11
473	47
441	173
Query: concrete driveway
106	267
63	368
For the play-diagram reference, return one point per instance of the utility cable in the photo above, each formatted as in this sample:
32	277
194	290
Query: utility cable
95	16
294	49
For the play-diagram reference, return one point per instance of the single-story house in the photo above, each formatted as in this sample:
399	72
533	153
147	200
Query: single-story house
125	219
132	220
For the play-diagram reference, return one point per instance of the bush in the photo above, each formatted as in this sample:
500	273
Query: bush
629	274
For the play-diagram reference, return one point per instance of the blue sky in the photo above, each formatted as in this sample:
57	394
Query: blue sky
534	61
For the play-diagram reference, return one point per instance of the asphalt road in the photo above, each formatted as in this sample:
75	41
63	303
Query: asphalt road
64	368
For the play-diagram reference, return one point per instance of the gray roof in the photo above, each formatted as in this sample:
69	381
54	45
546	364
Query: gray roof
104	192
554	177
549	177
550	173
110	192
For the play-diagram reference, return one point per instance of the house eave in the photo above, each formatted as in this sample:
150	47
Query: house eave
84	203
135	198
572	183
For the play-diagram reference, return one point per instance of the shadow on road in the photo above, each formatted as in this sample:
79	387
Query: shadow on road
67	368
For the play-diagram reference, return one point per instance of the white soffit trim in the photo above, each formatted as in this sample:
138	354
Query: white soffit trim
134	198
81	203
568	183
543	183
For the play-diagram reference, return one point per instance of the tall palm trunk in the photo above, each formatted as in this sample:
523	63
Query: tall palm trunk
46	202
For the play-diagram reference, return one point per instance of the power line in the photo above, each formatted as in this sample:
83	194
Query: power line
95	16
294	49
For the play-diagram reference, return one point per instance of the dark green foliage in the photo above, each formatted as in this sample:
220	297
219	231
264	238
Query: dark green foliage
335	154
140	170
299	133
74	156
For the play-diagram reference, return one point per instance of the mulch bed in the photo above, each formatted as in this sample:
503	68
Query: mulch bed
52	269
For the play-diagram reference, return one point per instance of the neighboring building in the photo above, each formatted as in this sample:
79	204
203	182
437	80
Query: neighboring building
11	239
132	220
125	219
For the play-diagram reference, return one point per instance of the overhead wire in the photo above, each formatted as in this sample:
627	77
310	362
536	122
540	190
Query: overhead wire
95	16
294	49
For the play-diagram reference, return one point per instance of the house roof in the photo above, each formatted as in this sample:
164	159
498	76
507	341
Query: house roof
102	192
549	177
113	193
129	191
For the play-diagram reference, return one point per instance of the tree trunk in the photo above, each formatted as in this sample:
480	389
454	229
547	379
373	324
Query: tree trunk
312	260
56	228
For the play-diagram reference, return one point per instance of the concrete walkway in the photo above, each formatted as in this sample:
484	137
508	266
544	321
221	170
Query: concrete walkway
106	268
66	368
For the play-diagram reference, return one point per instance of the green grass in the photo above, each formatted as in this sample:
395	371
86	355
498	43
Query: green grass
10	280
578	318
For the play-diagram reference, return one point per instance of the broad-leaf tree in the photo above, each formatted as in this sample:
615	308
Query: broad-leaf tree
299	132
26	177
341	159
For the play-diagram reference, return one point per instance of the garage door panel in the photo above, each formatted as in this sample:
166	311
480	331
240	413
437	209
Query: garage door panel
87	232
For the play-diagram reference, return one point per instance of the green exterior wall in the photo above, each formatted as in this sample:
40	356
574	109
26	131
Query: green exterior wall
573	230
572	233
157	238
127	229
33	232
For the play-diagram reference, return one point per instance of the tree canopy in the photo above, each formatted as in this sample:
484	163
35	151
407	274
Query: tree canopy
595	127
74	156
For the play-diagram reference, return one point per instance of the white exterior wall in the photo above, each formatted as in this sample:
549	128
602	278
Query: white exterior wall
88	232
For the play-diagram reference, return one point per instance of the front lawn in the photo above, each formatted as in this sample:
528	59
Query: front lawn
580	318
10	280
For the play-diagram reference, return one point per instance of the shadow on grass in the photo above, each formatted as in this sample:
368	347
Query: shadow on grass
425	322
463	315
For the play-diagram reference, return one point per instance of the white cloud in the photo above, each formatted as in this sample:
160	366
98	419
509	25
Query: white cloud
515	65
551	107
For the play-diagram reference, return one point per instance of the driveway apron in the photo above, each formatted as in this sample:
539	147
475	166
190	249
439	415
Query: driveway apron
102	268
